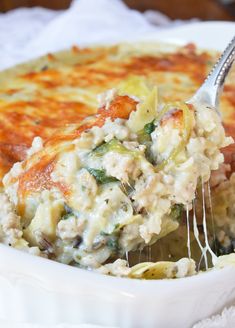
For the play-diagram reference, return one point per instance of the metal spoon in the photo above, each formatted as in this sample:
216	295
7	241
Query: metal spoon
210	90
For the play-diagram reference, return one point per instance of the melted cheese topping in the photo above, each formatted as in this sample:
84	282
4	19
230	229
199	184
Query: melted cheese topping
49	93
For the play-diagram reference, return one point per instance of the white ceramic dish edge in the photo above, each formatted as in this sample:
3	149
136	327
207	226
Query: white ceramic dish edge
43	291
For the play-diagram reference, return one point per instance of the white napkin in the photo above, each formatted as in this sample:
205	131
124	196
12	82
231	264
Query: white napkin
17	29
91	21
28	33
224	320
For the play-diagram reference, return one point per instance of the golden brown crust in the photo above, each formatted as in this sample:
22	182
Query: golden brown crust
39	97
37	173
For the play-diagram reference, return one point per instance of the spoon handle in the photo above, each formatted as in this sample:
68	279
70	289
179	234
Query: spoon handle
210	90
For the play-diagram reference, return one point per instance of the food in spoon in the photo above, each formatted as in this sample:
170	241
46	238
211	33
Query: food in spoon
113	184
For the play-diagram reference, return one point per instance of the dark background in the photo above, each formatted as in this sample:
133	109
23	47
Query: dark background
182	9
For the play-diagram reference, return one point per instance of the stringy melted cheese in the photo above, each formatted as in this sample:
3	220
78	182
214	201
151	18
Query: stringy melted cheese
92	193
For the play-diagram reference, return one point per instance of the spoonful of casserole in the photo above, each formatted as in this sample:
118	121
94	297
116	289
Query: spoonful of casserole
119	181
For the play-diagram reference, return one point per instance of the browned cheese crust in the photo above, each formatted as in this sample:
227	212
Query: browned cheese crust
40	96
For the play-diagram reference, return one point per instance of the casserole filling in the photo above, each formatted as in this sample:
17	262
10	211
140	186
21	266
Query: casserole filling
115	183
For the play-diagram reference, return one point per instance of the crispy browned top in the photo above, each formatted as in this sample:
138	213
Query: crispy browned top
59	89
37	175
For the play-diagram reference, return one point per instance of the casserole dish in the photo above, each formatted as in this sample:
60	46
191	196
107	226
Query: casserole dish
41	291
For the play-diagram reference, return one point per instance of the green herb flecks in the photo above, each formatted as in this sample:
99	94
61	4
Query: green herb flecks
112	239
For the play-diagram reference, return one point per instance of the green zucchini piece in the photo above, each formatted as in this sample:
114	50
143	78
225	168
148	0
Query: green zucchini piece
113	145
100	176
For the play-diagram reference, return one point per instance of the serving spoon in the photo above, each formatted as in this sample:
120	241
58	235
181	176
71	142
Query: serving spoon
209	95
210	91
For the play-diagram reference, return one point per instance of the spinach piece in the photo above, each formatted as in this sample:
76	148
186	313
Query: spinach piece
113	244
144	134
149	127
177	211
112	239
144	137
100	176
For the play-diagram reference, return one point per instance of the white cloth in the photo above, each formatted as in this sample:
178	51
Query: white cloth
28	33
225	320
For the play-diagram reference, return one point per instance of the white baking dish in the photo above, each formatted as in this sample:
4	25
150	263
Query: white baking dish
36	290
